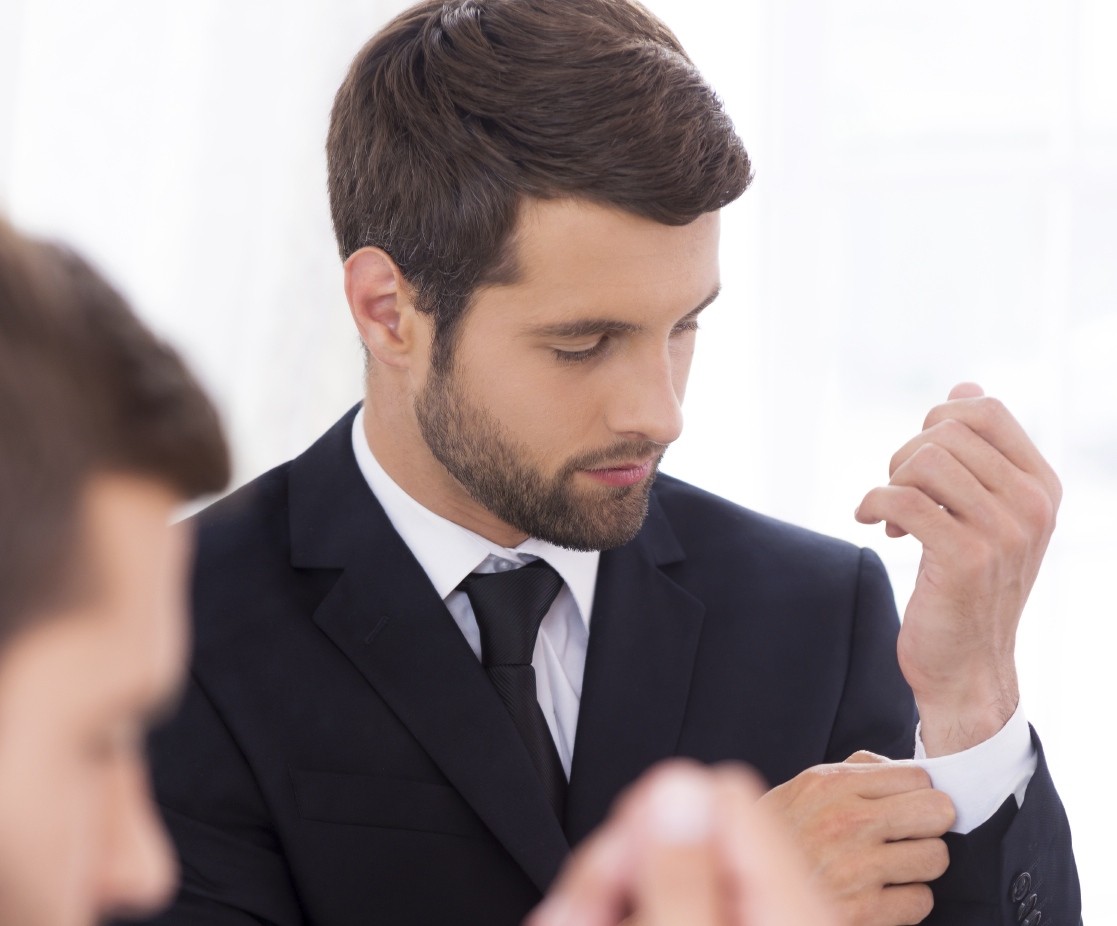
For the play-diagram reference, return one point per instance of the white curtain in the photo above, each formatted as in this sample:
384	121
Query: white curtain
935	200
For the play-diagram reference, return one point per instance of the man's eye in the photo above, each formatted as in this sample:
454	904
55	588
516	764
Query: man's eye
683	327
579	356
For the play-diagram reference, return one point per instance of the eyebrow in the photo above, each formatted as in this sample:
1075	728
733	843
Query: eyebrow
589	327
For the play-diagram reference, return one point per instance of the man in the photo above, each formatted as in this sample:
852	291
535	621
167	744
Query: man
103	434
433	649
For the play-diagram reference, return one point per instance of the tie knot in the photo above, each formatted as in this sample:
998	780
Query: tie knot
509	607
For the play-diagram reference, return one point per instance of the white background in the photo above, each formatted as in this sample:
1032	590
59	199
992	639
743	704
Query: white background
935	200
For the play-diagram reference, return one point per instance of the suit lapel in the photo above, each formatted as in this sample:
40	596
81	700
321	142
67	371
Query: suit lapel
643	641
386	617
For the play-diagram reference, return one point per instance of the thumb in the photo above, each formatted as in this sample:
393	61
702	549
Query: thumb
966	391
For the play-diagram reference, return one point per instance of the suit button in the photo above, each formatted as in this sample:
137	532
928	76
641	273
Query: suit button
1026	907
1033	919
1021	886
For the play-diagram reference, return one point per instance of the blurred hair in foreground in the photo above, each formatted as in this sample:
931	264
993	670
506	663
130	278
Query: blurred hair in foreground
84	388
103	432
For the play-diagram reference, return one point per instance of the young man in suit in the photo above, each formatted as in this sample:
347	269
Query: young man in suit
526	199
103	434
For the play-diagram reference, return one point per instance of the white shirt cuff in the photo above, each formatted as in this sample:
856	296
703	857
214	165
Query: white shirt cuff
979	779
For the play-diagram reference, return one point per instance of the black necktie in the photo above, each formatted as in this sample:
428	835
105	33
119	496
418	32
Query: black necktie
509	607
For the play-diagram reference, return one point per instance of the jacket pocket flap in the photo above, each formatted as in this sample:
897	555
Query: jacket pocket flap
391	803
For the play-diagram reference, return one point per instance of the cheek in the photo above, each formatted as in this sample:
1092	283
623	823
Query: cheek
50	808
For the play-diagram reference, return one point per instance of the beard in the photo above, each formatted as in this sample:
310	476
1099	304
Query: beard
498	473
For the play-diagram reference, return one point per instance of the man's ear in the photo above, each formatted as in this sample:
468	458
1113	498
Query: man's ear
382	307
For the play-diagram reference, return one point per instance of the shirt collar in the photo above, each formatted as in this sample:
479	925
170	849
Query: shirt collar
449	552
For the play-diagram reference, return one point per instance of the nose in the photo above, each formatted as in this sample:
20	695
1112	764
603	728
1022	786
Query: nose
139	871
646	396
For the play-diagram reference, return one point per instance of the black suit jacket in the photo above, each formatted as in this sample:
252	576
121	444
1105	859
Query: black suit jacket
341	758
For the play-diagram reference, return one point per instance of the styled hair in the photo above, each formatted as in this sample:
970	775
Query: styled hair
459	109
85	389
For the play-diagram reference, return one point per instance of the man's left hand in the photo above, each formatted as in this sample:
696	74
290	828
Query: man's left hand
975	491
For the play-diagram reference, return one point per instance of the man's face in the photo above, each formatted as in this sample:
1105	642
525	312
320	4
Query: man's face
79	836
566	386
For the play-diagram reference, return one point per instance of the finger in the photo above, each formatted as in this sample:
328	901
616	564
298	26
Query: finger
766	877
989	418
910	815
944	479
668	806
908	510
595	885
870	780
922	814
966	391
912	861
679	880
991	467
1011	496
905	905
679	883
633	800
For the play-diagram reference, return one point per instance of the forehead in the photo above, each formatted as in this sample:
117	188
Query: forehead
576	256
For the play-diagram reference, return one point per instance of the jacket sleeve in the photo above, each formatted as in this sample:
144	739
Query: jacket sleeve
232	870
876	711
1017	868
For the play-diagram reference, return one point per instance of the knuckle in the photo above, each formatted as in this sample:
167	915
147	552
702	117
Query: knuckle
1037	508
844	875
865	909
935	415
837	825
944	809
1056	490
863	756
1013	537
994	408
919	777
952	430
939	857
918	904
975	556
910	904
929	458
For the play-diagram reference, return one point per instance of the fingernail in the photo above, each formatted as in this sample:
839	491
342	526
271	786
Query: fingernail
681	811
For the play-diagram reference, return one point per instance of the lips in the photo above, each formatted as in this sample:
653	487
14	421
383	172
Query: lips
622	475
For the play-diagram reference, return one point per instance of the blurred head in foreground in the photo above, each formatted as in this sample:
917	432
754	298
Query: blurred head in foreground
103	432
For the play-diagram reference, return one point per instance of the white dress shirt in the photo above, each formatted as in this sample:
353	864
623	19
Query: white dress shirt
977	780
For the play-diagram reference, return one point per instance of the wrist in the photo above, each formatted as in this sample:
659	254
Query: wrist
959	722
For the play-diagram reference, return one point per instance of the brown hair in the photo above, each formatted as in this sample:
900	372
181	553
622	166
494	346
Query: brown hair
458	109
84	388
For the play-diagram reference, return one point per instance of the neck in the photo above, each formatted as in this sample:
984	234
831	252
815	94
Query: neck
393	437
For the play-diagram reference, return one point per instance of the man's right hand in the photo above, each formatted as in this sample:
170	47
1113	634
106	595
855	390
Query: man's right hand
870	829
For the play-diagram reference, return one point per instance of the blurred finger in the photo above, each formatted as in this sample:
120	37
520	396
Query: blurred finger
595	885
767	880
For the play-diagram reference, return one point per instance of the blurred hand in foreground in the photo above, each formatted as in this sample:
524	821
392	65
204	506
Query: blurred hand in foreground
686	846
